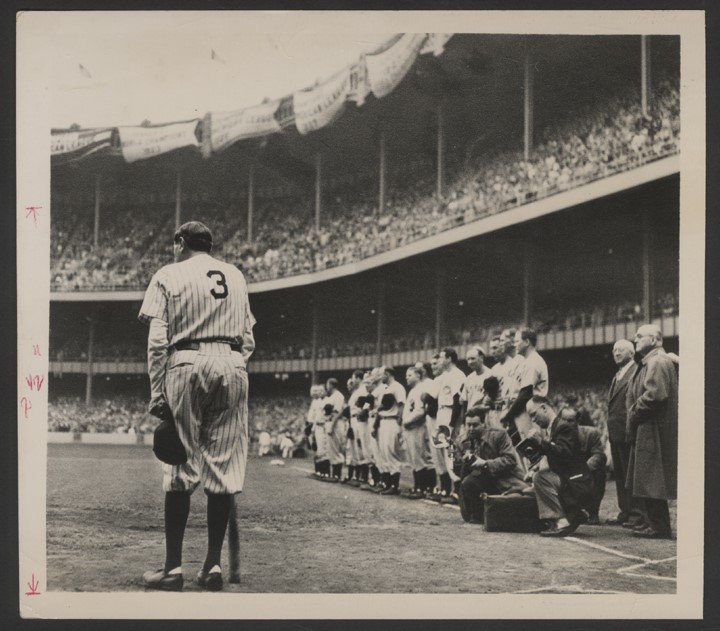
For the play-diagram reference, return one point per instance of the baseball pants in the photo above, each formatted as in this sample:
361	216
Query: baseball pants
439	456
356	452
364	440
321	438
416	446
207	391
389	444
336	441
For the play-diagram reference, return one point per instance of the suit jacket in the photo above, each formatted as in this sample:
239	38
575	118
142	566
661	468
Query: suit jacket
494	446
652	404
562	449
592	448
617	407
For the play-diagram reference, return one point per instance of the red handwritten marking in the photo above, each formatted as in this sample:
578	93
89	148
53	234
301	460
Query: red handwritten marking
36	349
32	212
33	585
26	404
35	381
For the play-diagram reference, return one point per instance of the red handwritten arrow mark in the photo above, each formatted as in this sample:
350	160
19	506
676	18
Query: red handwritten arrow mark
33	585
31	212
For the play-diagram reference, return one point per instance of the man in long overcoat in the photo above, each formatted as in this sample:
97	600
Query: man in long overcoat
652	428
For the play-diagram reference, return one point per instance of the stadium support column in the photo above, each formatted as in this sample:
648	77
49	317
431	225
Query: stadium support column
178	200
647	271
96	226
318	189
527	280
439	306
315	331
440	151
645	75
90	357
380	320
251	202
528	105
381	177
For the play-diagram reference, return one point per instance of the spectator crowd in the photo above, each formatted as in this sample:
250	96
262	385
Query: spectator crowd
607	138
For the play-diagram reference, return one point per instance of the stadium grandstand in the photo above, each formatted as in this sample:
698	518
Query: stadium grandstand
496	180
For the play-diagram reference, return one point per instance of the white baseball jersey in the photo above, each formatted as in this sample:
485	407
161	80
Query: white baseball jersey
449	383
473	392
534	373
514	368
360	391
413	403
315	412
398	392
201	298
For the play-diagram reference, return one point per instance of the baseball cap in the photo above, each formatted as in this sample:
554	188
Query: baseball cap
196	234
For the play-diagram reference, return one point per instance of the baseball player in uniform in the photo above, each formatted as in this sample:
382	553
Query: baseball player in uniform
316	420
473	392
451	383
357	472
415	434
531	380
389	430
377	468
335	427
200	340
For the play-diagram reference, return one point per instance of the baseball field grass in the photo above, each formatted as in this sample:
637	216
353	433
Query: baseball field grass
298	535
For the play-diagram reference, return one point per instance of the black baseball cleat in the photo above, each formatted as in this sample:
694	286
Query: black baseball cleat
160	579
234	577
212	580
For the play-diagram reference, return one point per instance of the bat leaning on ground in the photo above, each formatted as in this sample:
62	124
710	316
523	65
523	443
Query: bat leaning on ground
233	545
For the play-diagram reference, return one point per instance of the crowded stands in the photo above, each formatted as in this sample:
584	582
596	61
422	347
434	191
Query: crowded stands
610	137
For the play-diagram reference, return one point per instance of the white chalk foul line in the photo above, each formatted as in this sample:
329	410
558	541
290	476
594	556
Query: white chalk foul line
567	588
597	546
628	571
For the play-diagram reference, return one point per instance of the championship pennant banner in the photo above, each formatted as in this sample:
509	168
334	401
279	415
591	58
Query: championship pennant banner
139	143
229	127
385	70
322	104
68	146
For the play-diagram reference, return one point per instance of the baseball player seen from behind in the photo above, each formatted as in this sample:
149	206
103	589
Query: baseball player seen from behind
200	340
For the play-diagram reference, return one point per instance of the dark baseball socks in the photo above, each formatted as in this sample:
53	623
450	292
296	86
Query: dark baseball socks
177	508
218	513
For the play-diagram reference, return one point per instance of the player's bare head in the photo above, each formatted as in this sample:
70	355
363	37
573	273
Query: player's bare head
332	384
475	357
388	374
648	337
436	364
358	375
497	349
525	340
623	351
351	383
426	369
413	375
448	356
195	236
507	339
540	411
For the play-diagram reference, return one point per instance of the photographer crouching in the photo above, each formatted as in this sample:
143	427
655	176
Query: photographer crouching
489	464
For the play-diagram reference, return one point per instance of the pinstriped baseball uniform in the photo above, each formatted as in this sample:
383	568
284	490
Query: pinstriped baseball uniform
416	439
336	438
204	300
389	432
358	442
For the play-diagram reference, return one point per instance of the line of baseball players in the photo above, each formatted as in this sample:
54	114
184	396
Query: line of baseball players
381	425
495	431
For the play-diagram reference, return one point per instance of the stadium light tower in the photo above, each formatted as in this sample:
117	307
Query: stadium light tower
178	200
251	202
382	181
440	151
318	189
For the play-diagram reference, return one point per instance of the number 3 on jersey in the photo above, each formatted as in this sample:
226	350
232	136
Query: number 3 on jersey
220	282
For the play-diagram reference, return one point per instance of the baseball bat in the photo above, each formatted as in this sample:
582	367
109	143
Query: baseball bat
234	544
